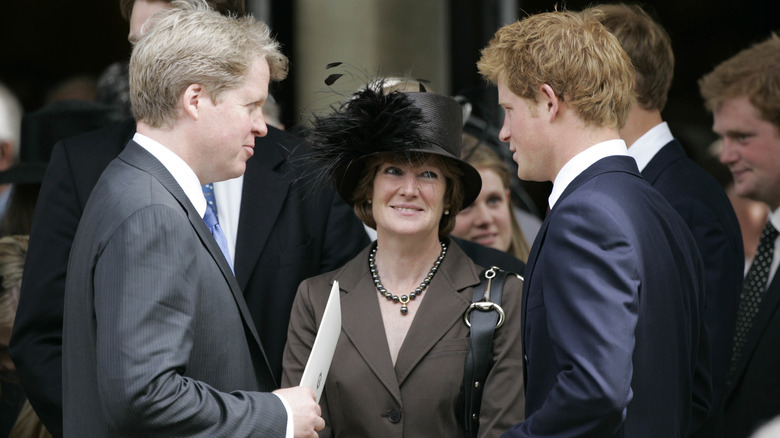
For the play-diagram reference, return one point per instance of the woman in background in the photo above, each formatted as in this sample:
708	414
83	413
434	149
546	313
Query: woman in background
489	220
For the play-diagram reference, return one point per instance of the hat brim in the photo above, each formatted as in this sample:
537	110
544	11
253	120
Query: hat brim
471	181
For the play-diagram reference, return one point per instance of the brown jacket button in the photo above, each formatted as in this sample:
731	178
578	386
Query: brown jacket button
394	416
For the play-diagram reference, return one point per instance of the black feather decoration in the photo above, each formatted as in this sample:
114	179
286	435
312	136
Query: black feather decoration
370	122
332	78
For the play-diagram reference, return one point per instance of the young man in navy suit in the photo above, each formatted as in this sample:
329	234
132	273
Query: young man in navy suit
743	94
694	193
613	298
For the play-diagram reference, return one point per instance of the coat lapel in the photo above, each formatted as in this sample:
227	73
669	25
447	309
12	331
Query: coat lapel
443	307
366	332
769	308
263	194
136	156
608	164
668	154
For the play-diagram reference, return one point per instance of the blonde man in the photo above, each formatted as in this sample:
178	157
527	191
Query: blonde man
614	288
157	338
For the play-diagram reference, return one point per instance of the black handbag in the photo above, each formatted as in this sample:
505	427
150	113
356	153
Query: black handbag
488	317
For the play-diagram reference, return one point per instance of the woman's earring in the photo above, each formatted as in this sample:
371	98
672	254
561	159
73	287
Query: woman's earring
446	212
369	201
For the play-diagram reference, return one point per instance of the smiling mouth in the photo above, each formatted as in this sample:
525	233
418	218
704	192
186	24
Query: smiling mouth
485	237
407	209
737	172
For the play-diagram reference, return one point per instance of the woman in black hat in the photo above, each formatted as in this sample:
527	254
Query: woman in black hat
398	365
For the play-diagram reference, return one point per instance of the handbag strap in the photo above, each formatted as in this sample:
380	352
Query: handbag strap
484	316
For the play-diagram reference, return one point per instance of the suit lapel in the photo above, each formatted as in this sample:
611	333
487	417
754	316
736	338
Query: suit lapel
263	194
769	307
366	331
668	154
136	156
442	308
528	275
608	164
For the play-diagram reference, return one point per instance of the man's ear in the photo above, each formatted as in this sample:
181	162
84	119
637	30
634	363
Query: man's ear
192	100
6	154
550	101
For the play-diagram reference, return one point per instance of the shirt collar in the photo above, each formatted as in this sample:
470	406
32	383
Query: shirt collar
645	147
577	164
774	217
181	172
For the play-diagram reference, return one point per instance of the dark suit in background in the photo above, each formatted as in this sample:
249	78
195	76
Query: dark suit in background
754	397
287	232
703	205
742	92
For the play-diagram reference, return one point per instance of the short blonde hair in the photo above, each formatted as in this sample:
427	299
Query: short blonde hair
571	52
192	44
753	72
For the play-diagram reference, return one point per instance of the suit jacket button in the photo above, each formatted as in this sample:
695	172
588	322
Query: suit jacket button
394	416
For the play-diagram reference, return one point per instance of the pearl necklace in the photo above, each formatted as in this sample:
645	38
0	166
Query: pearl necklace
403	299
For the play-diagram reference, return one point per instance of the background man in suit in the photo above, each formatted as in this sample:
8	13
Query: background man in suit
157	338
693	192
280	231
614	288
743	94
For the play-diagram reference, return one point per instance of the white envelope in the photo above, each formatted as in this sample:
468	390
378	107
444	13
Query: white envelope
321	355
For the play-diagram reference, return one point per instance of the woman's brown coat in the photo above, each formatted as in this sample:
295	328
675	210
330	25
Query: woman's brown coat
365	396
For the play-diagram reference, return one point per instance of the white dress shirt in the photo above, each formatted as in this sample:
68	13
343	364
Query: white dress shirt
228	197
578	163
774	217
645	147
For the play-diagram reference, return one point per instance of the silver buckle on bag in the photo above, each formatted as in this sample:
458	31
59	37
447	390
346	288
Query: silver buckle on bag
486	305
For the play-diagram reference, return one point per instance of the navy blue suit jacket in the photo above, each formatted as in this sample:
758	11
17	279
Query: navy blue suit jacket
612	305
704	206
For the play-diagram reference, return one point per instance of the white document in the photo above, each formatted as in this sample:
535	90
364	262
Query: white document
321	355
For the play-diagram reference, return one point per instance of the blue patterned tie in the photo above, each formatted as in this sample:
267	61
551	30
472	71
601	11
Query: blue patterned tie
208	192
213	222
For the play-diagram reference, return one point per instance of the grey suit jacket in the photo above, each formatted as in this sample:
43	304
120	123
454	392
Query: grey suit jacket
366	396
157	339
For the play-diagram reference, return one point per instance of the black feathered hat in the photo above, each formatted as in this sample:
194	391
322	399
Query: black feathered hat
374	121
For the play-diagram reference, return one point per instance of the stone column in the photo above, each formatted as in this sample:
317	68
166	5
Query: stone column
371	37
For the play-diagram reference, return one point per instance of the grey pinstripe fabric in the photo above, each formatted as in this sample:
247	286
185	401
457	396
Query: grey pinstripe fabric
157	337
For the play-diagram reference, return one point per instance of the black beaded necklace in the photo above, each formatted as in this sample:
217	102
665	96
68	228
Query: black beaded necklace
403	299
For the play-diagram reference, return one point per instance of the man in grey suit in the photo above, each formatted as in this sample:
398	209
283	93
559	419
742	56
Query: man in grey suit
157	337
